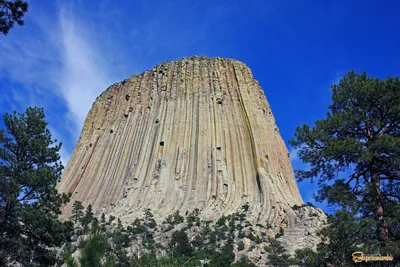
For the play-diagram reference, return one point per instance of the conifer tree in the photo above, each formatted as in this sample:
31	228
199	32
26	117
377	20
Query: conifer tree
30	167
306	258
94	252
354	154
180	244
11	12
149	221
77	212
277	254
87	219
103	223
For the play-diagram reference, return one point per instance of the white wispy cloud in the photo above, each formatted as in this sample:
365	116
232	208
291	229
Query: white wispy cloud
83	73
61	66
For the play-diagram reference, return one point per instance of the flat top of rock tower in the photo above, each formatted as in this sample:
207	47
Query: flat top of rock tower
191	58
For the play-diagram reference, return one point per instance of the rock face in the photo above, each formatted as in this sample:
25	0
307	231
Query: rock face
194	133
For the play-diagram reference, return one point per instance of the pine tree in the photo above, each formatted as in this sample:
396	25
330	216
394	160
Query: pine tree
69	260
87	219
111	219
29	202
149	221
306	258
277	254
11	12
95	225
103	223
341	238
94	252
212	246
77	212
180	244
354	154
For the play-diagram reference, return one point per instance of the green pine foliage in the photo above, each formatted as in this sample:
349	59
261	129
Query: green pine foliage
280	233
240	245
87	219
95	251
116	245
193	218
306	258
180	245
172	220
354	154
277	254
77	212
30	167
11	13
342	237
149	221
243	262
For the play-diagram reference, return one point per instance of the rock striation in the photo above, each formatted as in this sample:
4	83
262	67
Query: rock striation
193	133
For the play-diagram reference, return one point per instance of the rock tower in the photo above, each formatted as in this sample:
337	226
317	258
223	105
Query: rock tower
193	133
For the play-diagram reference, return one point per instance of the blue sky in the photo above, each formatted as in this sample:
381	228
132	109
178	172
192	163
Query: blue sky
68	53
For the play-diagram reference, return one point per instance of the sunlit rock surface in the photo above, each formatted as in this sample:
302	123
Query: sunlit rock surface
194	133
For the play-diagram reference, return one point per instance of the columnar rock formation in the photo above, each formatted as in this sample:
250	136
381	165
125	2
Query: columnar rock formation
193	133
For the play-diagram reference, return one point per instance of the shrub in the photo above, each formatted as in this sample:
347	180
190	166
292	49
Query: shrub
281	233
240	245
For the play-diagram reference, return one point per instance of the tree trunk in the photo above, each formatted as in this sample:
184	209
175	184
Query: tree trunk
382	228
